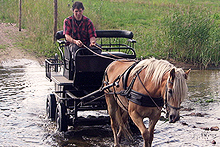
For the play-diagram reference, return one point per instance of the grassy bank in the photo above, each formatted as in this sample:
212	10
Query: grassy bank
186	31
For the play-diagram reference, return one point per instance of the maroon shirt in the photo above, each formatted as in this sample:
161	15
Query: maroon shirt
84	31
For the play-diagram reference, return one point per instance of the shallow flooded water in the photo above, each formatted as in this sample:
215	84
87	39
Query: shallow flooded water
23	91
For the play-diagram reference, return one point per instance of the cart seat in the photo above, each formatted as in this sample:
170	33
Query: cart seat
89	71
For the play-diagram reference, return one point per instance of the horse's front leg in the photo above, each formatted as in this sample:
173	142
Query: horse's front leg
138	120
152	123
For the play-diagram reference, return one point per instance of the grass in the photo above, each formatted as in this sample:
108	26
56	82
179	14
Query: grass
2	47
186	31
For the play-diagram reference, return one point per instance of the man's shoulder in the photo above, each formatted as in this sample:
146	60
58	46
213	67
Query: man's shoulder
68	18
86	19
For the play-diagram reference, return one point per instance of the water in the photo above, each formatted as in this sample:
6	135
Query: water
204	97
23	91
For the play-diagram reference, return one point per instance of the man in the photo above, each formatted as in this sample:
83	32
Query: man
78	29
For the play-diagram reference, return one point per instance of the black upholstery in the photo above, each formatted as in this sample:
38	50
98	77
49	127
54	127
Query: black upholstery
105	33
59	35
114	33
89	70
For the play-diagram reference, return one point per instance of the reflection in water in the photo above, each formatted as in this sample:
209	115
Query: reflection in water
22	103
204	88
23	90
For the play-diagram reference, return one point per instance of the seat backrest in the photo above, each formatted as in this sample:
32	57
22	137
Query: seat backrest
89	71
59	35
104	33
114	34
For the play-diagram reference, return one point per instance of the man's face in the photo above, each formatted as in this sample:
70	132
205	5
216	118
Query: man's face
78	13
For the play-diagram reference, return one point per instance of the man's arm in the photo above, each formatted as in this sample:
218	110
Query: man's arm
71	40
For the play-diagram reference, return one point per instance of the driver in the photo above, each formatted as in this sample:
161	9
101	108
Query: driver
79	30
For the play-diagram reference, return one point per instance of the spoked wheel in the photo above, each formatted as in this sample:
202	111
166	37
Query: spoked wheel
51	106
61	117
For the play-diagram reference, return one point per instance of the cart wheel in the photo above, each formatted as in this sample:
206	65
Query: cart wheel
61	117
51	106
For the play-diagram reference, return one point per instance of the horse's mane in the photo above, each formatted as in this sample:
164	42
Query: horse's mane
180	88
156	69
153	68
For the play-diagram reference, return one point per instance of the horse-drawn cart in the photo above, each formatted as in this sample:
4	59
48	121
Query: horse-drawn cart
78	78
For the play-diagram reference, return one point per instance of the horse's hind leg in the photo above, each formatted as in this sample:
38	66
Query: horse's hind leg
124	116
112	110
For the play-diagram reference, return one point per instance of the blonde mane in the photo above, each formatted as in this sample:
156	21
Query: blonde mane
153	68
156	69
180	88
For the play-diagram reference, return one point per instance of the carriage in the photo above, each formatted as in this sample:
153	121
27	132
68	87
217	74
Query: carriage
78	78
115	81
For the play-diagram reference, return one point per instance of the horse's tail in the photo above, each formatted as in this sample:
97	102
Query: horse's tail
122	120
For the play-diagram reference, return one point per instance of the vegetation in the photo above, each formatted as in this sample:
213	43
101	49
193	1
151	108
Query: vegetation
187	31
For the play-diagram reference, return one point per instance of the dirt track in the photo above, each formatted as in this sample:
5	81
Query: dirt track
9	38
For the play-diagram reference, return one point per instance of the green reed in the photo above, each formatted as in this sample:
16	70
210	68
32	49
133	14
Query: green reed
193	35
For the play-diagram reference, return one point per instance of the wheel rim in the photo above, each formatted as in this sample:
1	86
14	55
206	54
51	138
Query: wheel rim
58	118
48	108
51	106
61	118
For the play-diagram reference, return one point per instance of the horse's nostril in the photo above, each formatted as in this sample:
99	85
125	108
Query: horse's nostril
177	118
172	119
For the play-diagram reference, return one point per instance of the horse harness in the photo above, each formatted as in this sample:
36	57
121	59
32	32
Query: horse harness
134	96
130	94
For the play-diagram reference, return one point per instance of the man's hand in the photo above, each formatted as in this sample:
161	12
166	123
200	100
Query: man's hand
71	40
92	44
92	41
78	43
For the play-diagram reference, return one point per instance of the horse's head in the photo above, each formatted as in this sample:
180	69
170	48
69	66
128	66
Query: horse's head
176	91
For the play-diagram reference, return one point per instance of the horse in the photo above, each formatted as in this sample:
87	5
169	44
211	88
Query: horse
150	84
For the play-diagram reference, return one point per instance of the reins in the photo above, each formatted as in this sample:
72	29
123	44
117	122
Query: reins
97	53
126	60
108	52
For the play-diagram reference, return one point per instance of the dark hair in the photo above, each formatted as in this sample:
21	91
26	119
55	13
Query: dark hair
77	5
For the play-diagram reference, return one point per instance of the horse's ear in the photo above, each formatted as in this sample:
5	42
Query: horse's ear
187	73
172	74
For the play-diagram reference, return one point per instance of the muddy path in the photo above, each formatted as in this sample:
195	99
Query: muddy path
10	36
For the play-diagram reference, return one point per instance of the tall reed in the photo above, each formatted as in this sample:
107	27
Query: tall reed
192	34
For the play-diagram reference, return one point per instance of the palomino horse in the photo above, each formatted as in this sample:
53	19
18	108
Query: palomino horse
150	84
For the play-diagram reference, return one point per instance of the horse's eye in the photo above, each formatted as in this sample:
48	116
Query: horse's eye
170	91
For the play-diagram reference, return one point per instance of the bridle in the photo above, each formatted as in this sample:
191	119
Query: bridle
166	97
